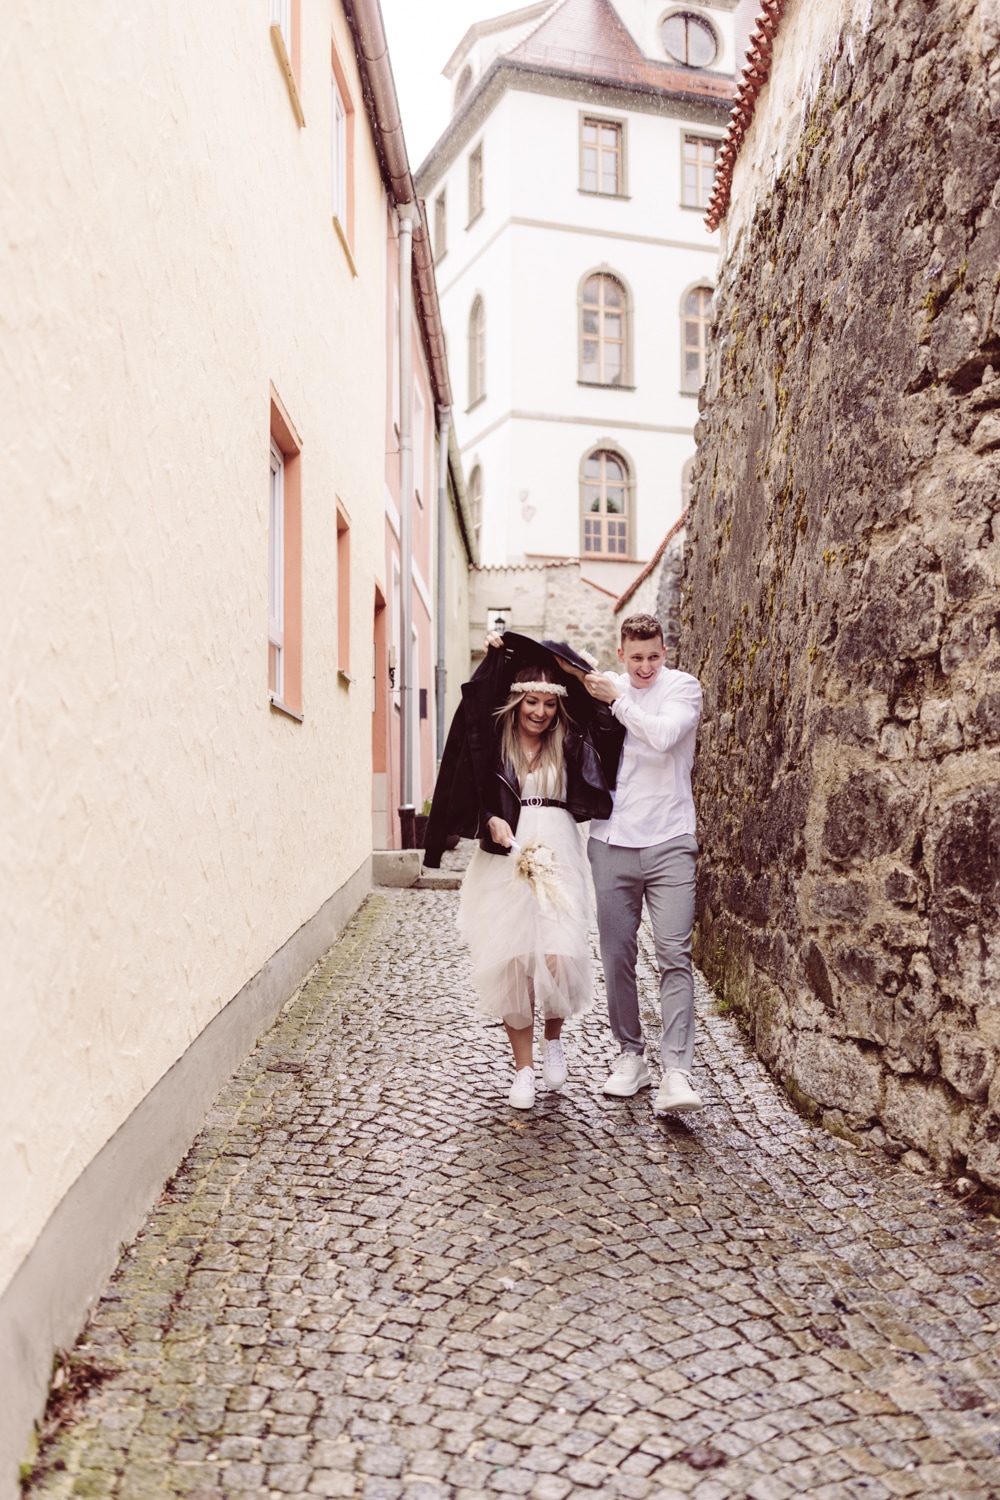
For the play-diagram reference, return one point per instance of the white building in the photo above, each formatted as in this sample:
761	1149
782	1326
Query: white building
567	199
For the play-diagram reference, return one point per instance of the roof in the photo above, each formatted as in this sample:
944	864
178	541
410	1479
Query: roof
623	599
588	36
575	43
756	72
510	18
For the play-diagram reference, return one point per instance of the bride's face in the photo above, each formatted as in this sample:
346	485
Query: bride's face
535	714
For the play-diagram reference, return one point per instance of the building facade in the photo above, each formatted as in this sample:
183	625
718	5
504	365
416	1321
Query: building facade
194	384
566	198
442	549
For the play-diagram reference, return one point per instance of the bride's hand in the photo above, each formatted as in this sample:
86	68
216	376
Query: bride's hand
492	639
501	832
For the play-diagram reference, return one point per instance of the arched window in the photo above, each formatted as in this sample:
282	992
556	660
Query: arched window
689	39
463	85
604	352
476	501
604	487
696	320
477	352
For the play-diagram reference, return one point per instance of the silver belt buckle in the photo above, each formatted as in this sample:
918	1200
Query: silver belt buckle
532	801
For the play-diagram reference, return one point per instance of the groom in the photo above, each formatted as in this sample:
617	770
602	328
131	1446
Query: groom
647	848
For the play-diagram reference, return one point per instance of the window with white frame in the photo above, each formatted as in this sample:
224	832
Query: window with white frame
603	348
477	352
696	320
276	577
476	501
602	157
698	170
281	16
476	182
419	446
604	485
338	143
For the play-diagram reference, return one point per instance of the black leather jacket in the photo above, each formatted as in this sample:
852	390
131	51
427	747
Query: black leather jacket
587	793
473	785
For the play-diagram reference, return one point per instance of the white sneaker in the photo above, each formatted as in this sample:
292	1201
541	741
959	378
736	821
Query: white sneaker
676	1094
522	1092
554	1065
628	1076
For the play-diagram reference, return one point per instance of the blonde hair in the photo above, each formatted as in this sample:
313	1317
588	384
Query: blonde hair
548	768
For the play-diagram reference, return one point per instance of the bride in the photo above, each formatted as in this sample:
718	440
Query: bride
528	937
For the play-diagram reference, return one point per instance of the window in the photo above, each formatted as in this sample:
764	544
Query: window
284	565
477	352
601	157
689	40
696	320
284	17
476	501
281	16
463	85
698	170
603	331
475	182
276	577
342	156
343	592
605	484
440	226
419	445
338	168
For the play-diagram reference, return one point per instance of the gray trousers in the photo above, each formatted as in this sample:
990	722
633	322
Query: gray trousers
664	874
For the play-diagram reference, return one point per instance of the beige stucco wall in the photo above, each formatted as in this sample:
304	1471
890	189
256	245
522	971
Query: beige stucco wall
168	252
457	656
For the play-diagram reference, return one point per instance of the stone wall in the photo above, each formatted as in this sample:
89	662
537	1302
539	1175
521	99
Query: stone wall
841	589
549	601
659	591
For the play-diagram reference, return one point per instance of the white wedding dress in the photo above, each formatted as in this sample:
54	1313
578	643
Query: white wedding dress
521	947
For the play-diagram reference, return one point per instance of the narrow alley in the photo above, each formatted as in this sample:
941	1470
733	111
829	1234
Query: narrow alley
368	1278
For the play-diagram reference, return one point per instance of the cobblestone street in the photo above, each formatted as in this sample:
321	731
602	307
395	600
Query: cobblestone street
370	1277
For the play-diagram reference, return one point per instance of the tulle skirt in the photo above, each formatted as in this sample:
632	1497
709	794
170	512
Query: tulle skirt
522	949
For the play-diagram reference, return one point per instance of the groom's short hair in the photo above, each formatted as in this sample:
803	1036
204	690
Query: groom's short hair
641	628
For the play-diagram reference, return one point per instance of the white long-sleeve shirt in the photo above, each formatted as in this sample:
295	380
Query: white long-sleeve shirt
653	800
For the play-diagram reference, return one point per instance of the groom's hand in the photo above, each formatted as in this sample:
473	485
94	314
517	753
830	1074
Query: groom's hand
604	689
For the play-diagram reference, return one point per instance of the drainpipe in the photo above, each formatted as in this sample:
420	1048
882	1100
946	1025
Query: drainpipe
440	673
406	213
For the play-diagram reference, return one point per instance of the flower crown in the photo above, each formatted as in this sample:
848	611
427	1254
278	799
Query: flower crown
555	688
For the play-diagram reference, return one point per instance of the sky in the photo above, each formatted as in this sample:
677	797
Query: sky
422	35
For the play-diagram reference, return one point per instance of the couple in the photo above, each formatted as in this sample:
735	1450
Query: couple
540	743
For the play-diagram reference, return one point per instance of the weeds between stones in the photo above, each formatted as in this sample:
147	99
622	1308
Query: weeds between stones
73	1379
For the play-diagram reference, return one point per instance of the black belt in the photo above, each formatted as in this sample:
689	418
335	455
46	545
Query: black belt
541	802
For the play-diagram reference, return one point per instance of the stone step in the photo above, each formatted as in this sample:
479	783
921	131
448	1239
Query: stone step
439	880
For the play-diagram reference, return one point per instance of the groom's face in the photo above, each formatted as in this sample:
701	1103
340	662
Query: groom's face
642	660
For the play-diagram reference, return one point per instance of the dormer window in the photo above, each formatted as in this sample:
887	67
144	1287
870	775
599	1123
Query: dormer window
464	85
689	39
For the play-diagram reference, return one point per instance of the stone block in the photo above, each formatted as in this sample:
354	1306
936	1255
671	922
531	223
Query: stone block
967	1061
920	1113
838	1074
398	867
984	1153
